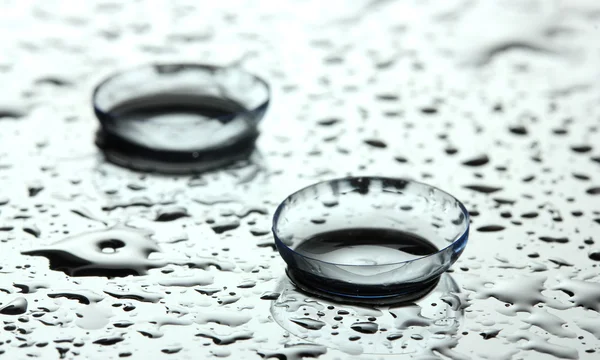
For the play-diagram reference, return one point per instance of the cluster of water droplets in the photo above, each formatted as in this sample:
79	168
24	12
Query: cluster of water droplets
430	324
495	103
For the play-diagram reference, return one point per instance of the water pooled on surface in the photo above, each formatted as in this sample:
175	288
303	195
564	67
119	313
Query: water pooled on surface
495	102
116	251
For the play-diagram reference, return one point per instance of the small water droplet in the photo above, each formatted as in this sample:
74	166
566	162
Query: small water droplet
483	188
490	228
477	161
365	327
308	323
17	306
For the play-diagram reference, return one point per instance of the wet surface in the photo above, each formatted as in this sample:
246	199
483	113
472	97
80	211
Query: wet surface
495	102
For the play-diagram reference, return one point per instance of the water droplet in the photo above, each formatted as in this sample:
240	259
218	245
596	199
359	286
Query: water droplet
259	232
581	148
594	255
82	296
365	327
34	189
270	296
490	228
226	339
33	230
376	143
451	150
17	306
550	239
593	190
87	214
518	130
582	293
111	340
135	187
429	110
171	213
224	226
308	323
394	336
135	294
530	215
560	262
328	121
490	334
248	284
477	161
483	188
32	286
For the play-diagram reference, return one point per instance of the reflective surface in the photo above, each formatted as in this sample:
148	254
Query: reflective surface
357	329
504	117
